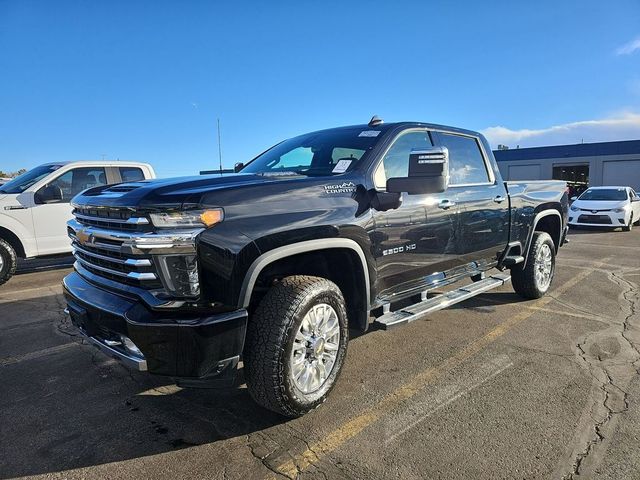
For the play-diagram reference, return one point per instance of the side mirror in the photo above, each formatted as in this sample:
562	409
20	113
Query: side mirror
238	166
49	194
383	201
428	173
574	198
635	199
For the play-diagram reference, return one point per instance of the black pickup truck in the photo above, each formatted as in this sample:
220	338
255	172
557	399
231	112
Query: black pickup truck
342	228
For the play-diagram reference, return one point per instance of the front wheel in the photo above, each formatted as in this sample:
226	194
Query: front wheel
296	345
8	261
534	280
629	227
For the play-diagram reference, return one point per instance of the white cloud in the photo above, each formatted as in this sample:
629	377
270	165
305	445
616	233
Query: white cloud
625	126
629	48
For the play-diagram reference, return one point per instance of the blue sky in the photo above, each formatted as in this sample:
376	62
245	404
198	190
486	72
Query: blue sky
146	80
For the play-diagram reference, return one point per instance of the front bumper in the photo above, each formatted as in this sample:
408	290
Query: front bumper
609	218
194	349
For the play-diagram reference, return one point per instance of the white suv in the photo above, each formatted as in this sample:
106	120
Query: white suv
606	207
35	207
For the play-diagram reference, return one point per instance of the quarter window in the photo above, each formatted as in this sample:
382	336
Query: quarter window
131	174
466	163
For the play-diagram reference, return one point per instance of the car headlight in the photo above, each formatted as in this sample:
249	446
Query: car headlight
574	208
179	274
621	209
187	218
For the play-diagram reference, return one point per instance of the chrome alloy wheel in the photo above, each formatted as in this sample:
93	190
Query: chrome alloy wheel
315	348
1	262
544	266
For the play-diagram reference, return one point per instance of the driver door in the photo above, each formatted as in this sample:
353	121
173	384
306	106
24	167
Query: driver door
50	219
416	240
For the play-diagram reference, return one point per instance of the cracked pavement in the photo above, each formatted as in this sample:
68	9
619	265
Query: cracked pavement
495	387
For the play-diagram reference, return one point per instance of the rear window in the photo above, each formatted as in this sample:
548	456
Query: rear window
605	194
131	174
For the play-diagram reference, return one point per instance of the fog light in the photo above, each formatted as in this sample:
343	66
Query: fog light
130	346
180	274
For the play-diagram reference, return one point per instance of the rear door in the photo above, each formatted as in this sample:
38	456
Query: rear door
417	239
483	206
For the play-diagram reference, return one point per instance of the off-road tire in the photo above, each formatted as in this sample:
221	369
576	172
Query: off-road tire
270	336
9	261
628	228
524	279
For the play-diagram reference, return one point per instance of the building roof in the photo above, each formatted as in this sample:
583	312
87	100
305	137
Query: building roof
627	147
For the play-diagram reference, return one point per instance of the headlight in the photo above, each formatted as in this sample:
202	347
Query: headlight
574	208
621	209
180	274
188	218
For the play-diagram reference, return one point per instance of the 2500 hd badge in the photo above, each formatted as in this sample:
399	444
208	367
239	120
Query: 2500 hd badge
186	277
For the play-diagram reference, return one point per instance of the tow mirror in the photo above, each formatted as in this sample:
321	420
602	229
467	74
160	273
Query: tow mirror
49	194
238	166
428	173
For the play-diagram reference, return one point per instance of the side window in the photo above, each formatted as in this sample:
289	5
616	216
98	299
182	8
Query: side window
131	174
396	161
75	181
466	164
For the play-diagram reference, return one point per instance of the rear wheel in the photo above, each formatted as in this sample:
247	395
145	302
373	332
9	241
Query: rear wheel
8	261
296	345
534	280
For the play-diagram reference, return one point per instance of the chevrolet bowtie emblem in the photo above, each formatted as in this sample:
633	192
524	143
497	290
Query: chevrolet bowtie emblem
83	237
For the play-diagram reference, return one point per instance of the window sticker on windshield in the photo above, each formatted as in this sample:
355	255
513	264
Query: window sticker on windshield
341	166
369	133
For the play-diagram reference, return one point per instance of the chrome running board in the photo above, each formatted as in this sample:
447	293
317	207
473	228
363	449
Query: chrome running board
408	314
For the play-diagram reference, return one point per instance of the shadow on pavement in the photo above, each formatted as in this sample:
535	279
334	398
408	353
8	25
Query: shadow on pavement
65	405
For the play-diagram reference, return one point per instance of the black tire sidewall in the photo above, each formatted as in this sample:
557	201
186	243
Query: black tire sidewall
321	294
9	263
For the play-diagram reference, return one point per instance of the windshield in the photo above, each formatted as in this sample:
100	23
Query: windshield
24	181
604	194
329	152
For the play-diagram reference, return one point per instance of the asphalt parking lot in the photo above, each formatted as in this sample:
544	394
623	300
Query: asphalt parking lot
496	387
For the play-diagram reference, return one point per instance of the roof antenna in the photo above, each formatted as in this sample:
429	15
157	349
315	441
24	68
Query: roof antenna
375	121
219	147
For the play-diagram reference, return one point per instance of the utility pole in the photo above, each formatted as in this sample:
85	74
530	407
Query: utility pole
219	147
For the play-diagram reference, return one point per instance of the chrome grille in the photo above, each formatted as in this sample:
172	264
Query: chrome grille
114	256
112	219
110	258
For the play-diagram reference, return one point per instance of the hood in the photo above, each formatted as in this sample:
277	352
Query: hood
182	191
598	204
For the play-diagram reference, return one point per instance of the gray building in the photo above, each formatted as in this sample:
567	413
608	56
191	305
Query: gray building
581	165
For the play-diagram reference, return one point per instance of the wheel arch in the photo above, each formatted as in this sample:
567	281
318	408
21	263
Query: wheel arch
549	221
341	260
13	240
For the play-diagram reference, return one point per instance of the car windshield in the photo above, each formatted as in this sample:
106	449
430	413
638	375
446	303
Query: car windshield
329	152
604	194
24	181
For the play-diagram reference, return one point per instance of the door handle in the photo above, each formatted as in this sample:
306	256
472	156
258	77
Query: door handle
445	204
499	199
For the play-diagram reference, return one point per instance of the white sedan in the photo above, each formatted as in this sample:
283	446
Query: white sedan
606	207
